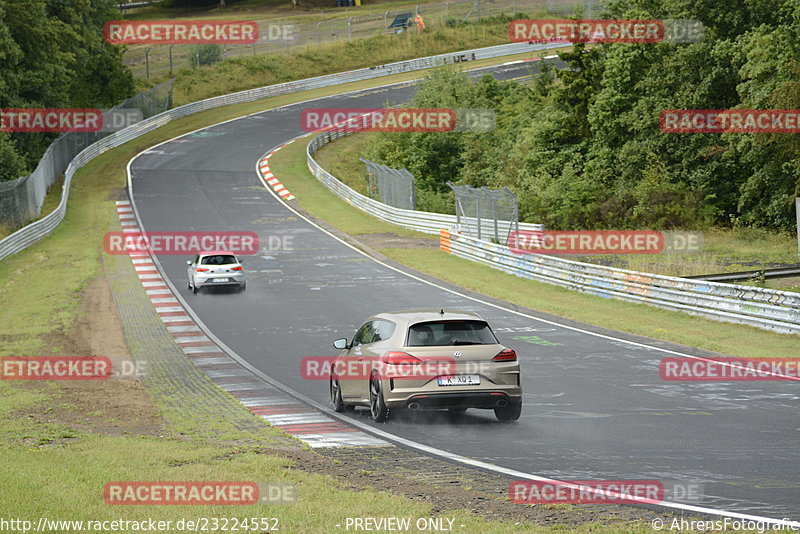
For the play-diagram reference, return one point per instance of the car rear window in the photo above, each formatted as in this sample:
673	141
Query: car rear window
220	259
447	333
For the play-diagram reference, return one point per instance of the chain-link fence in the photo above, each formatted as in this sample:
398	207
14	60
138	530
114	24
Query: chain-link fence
590	8
21	199
486	213
394	187
277	35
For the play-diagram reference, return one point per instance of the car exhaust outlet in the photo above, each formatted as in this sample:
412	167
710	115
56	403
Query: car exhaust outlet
502	403
413	406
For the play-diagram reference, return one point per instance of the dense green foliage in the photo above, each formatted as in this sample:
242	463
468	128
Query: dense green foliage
52	55
582	147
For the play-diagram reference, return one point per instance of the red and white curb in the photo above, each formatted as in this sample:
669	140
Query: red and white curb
269	178
276	407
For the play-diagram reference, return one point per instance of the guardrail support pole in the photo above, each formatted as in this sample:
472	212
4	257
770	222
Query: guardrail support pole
797	214
349	28
147	62
170	58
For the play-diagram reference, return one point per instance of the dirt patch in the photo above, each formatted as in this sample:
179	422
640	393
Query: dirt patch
117	406
391	240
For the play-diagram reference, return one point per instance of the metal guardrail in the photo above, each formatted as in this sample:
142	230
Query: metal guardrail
768	309
31	233
755	274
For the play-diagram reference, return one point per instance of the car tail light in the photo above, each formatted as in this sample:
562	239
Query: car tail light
400	358
506	355
236	268
201	270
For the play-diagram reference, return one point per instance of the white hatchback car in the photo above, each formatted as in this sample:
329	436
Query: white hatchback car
215	268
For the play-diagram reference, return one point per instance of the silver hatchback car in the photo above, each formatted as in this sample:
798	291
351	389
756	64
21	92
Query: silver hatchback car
426	359
215	268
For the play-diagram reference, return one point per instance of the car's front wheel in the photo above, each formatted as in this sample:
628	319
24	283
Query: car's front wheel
509	413
377	405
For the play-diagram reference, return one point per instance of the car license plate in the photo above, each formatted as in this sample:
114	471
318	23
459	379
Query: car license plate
219	279
460	380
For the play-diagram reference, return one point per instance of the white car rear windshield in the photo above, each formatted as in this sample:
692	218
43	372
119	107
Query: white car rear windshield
450	333
220	259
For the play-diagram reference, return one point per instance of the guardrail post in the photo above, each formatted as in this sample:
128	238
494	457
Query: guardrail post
147	62
170	58
385	14
797	213
349	28
319	33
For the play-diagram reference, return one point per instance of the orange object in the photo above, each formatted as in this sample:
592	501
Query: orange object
444	240
420	22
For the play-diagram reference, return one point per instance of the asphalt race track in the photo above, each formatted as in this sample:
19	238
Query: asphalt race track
594	405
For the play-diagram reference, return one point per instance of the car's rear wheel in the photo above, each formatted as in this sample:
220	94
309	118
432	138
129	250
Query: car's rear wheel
336	397
377	405
508	414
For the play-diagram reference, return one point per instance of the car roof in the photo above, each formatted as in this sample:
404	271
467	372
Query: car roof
428	314
216	253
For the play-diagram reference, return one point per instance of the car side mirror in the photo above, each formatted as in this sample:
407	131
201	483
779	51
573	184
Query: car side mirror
340	343
188	262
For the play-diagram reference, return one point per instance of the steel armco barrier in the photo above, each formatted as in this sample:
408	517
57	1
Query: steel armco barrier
31	233
763	308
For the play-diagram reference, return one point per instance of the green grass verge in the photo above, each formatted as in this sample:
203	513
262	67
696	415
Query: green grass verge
246	72
55	471
289	165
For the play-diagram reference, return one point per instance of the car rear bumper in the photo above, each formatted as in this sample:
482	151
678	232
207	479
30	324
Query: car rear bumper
237	279
486	400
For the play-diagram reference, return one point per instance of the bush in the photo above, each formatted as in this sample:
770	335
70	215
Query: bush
207	54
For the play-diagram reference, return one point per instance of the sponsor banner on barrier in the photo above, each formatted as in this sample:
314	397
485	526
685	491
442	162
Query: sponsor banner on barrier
585	491
728	369
730	121
181	32
606	31
59	120
397	120
186	243
602	242
55	368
